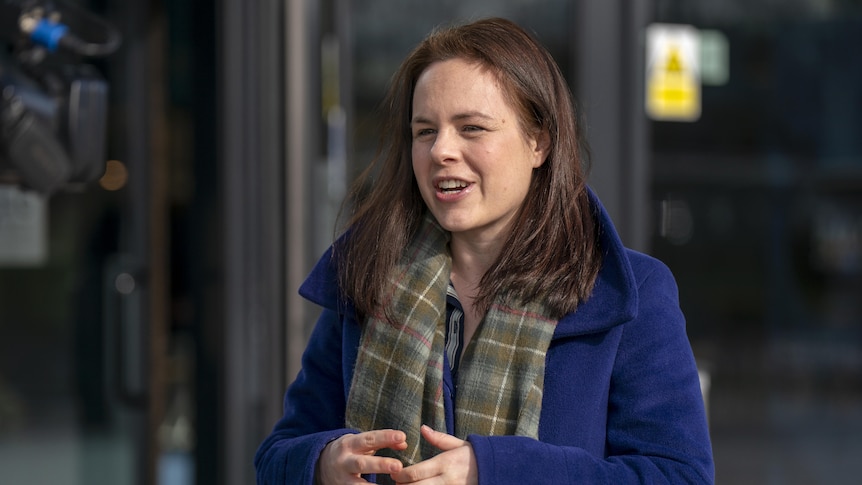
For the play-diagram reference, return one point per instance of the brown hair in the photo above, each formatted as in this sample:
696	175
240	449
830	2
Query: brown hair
552	252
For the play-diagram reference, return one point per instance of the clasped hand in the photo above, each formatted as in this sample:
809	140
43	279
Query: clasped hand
347	458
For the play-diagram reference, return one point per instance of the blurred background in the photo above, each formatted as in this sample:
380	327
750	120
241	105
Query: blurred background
162	199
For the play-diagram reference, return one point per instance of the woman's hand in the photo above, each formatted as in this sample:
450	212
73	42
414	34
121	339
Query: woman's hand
345	459
455	466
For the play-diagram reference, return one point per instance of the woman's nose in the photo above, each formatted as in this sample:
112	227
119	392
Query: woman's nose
445	147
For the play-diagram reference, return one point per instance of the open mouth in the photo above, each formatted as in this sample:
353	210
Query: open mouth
451	186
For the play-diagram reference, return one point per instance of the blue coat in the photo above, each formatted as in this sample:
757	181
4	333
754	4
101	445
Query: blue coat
621	405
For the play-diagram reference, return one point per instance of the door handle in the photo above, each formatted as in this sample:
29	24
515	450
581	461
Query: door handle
125	326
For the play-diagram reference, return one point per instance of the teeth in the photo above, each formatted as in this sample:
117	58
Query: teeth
452	184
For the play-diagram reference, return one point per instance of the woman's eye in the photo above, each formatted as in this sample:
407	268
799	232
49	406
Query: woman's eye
423	132
472	128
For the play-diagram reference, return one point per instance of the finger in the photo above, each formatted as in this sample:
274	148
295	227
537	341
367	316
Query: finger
338	464
455	466
440	440
371	441
418	472
364	464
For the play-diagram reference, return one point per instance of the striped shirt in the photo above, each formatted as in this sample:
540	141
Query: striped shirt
454	329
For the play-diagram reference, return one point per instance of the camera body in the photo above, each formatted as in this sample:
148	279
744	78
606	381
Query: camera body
52	135
53	106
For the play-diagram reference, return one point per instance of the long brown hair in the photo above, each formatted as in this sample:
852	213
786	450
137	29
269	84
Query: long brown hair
552	252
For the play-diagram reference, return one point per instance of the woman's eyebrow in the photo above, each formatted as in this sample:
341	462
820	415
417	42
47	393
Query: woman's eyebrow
458	117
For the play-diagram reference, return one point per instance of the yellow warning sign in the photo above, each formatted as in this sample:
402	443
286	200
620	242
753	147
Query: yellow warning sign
673	73
673	63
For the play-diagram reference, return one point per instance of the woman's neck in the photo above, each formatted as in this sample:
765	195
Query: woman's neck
470	262
472	259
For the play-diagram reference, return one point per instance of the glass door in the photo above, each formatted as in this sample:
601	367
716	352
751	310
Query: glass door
758	209
83	266
70	408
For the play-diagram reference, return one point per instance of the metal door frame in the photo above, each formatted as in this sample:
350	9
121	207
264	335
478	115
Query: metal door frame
268	138
609	84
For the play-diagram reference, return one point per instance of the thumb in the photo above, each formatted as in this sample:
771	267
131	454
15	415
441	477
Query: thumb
440	440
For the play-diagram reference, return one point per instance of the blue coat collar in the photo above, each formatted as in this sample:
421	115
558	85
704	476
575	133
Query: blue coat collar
615	298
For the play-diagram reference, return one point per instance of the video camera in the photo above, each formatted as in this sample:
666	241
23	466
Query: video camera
53	106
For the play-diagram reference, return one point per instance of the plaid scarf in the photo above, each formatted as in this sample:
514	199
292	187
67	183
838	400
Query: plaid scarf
397	382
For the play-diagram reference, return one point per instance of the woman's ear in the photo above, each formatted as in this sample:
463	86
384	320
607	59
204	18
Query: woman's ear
541	147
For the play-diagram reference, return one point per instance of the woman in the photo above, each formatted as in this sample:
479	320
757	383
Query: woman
482	322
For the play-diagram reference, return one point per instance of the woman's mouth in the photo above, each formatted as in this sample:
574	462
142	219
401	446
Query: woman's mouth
451	186
452	190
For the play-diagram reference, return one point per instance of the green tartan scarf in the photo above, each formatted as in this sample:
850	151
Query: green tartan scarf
397	381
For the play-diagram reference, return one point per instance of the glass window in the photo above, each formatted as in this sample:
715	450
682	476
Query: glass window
759	215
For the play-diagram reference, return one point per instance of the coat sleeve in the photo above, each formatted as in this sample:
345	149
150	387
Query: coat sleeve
656	430
313	411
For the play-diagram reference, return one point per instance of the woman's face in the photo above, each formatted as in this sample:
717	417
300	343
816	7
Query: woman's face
471	158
